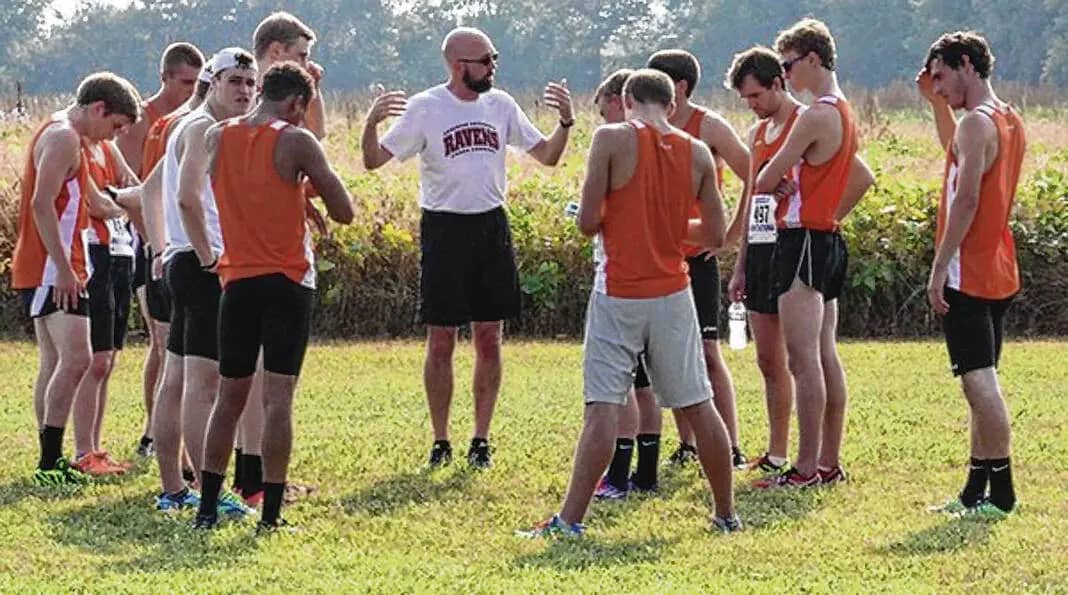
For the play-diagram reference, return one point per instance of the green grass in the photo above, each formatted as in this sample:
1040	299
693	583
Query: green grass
380	523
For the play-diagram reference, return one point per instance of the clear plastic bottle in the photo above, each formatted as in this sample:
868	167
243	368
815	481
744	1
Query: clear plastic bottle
736	316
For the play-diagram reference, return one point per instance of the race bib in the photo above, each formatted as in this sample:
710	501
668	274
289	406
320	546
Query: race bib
762	219
121	238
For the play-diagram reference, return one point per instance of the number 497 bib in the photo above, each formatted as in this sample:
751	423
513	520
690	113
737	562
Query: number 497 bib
762	219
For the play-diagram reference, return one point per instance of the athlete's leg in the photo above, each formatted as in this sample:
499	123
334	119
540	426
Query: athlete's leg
87	401
801	314
101	402
200	386
778	384
69	334
650	420
48	360
834	417
153	364
438	376
167	423
487	337
714	452
592	455
627	424
685	431
722	388
989	413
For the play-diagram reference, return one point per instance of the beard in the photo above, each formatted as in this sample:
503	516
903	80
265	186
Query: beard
478	86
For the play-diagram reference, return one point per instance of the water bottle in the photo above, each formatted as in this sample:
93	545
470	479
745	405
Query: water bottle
736	315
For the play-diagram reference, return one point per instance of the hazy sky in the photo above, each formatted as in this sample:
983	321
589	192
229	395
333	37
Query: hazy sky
67	6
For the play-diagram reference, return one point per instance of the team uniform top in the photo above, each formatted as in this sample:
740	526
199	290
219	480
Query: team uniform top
156	141
761	225
113	232
31	267
821	187
462	147
693	128
641	253
985	264
260	214
177	239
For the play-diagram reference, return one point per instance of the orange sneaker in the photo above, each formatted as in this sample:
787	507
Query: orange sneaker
124	465
95	465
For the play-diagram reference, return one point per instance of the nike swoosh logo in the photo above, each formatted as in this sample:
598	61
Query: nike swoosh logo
648	443
999	469
626	447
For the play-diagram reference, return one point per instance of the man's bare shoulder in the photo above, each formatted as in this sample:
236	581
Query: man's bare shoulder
819	113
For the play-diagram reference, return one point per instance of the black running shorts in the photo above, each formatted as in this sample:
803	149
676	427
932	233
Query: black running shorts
974	328
141	261
818	258
195	297
704	282
110	293
157	295
269	311
758	279
641	377
467	268
40	302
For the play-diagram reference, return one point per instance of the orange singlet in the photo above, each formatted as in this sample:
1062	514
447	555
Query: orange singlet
156	141
985	264
693	128
103	174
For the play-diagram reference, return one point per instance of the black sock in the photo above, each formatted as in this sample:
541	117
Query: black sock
1002	493
209	494
51	447
975	486
619	470
40	440
648	459
479	443
239	471
272	502
145	441
252	467
442	444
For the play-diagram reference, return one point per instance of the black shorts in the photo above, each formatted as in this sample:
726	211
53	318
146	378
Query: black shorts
141	262
39	302
818	258
641	377
758	298
110	294
157	295
704	282
269	311
974	328
195	297
467	268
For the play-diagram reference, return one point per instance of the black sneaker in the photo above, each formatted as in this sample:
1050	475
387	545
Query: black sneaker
738	458
478	456
206	522
440	454
280	526
145	448
683	455
189	476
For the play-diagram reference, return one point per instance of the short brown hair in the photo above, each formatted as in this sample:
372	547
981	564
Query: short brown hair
680	65
759	61
281	27
180	54
648	86
286	79
952	47
808	35
613	85
118	95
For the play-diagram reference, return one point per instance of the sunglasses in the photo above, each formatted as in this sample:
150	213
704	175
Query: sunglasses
485	60
788	64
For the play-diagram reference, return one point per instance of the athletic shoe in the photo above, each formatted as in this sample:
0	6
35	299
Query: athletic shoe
832	476
146	450
553	527
764	465
683	455
985	510
952	507
187	498
189	476
478	456
252	500
62	474
726	525
633	486
789	479
440	455
124	465
206	522
738	459
607	491
94	464
231	507
279	526
297	491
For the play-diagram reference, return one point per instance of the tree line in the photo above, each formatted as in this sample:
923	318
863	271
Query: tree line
396	42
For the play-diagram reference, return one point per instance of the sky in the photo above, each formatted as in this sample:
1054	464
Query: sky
66	7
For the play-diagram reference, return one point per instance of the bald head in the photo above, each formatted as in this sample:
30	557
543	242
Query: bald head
465	42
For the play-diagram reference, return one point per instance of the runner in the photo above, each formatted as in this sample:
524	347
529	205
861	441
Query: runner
809	259
712	129
179	67
639	420
267	270
975	274
468	271
758	78
51	265
641	181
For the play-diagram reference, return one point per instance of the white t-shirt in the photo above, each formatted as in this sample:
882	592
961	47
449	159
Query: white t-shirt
462	147
177	238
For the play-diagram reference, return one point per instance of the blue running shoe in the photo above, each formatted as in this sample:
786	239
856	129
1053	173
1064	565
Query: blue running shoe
231	506
186	498
553	527
607	491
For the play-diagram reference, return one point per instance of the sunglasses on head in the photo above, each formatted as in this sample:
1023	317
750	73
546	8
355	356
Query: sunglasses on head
788	64
485	60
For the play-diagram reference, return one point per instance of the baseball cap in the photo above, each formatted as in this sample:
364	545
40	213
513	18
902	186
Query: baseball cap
226	58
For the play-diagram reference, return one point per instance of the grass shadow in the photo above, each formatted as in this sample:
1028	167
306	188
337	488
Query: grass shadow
763	508
158	541
408	489
948	537
584	553
24	488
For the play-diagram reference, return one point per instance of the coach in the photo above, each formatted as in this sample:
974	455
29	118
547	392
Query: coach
468	271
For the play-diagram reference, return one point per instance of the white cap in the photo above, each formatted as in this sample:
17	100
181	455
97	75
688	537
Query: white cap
224	59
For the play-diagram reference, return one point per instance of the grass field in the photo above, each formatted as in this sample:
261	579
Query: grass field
381	524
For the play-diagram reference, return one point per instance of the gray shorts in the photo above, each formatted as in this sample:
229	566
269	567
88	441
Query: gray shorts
618	329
